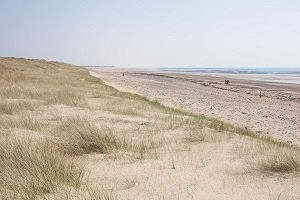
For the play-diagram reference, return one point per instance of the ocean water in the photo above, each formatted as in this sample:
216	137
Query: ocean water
276	75
281	71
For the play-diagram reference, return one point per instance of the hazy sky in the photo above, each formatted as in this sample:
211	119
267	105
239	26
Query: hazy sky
154	33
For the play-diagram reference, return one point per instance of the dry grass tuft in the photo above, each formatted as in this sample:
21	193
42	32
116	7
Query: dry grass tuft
143	149
205	135
82	136
268	155
29	168
281	163
67	96
11	107
196	137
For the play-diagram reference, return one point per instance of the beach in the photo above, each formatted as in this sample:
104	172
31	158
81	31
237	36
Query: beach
274	114
73	136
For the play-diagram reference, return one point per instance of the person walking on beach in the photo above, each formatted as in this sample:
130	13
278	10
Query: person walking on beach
260	94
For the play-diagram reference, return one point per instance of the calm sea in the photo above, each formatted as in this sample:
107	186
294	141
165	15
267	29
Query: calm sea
288	71
279	75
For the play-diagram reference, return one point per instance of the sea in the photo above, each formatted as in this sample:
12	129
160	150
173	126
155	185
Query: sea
277	75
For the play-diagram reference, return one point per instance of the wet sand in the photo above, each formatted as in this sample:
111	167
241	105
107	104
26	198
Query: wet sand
276	114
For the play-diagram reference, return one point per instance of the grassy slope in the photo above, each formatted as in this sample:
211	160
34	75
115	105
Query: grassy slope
52	115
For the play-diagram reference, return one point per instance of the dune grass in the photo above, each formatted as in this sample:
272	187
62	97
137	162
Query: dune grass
59	95
30	168
48	167
50	82
78	135
204	135
21	121
281	162
269	156
11	107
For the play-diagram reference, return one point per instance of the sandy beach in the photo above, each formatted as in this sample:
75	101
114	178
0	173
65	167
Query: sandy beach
275	114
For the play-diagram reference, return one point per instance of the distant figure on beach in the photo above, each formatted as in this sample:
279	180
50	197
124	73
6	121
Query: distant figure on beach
226	82
260	93
123	74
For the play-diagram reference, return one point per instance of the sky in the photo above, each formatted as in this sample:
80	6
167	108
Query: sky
153	33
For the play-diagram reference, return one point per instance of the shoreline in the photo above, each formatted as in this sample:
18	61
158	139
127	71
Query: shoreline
274	114
282	91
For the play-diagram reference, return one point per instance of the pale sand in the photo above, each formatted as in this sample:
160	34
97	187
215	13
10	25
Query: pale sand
227	166
275	114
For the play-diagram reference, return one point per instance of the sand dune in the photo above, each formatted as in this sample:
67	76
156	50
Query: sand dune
66	135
